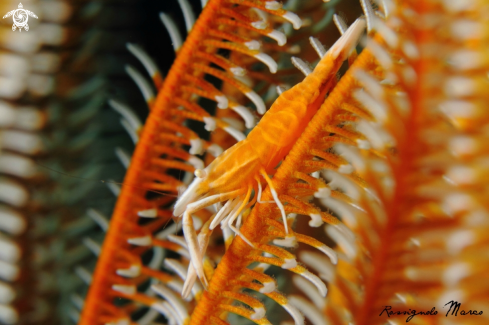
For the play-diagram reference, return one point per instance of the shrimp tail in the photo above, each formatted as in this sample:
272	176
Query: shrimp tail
318	81
342	48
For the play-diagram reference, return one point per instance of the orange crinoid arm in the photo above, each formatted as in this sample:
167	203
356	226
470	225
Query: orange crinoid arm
120	270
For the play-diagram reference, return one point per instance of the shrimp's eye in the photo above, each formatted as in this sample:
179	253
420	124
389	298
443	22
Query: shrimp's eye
200	173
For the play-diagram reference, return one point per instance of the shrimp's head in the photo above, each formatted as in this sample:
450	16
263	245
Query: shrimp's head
234	169
197	189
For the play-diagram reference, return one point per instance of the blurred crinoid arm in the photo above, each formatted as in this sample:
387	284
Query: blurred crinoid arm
152	180
421	233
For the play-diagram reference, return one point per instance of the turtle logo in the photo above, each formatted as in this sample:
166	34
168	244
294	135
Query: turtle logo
21	16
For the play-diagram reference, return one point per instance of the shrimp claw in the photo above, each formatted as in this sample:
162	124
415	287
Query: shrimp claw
193	247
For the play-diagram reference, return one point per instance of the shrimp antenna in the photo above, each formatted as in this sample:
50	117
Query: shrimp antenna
102	180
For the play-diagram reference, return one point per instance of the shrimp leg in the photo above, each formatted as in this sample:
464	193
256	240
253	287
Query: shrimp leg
193	248
236	231
259	192
235	208
236	214
275	197
223	213
189	230
203	240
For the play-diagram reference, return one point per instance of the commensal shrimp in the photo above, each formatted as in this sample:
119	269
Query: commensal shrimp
234	174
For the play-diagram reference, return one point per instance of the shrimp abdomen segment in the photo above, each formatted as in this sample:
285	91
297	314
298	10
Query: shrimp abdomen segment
279	129
273	137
